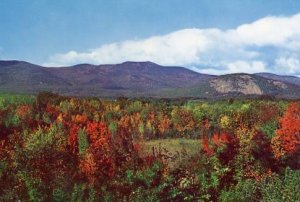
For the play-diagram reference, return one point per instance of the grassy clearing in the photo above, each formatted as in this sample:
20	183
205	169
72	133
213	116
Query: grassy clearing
175	151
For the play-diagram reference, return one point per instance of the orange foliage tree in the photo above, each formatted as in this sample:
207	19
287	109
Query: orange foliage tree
78	121
164	124
183	120
287	139
98	162
210	146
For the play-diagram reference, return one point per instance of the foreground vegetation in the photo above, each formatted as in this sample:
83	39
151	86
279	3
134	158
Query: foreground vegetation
55	148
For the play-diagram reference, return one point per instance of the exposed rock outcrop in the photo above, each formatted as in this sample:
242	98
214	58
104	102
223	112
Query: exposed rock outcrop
240	83
279	84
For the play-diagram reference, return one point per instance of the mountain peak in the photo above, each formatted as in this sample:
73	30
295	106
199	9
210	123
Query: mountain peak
139	63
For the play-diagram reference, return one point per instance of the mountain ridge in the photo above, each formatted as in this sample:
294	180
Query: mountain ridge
141	79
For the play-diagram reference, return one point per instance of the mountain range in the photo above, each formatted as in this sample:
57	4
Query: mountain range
141	79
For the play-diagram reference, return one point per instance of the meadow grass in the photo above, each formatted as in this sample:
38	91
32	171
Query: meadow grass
175	150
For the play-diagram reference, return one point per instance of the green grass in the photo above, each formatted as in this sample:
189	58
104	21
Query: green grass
176	151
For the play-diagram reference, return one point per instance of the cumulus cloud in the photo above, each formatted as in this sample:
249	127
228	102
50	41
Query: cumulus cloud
290	65
268	44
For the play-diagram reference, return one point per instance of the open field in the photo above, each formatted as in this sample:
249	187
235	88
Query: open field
176	151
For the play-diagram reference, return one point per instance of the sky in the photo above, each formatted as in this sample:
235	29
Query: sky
208	36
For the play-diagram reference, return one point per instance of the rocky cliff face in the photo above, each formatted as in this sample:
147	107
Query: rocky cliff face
278	84
239	84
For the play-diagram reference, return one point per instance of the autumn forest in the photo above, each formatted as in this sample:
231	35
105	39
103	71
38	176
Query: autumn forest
56	148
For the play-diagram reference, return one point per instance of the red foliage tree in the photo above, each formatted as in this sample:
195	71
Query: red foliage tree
77	121
25	114
73	139
215	142
206	146
222	144
287	139
98	162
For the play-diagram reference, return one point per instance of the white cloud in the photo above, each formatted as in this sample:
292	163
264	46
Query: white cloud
288	65
259	46
269	31
250	67
177	48
239	66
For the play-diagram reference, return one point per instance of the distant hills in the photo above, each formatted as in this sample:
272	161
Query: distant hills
141	79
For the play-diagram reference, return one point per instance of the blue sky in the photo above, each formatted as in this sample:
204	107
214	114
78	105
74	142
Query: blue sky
211	36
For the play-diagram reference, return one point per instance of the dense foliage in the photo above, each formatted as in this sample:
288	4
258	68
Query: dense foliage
55	148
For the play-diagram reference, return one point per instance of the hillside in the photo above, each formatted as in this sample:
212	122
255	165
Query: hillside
140	79
287	79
